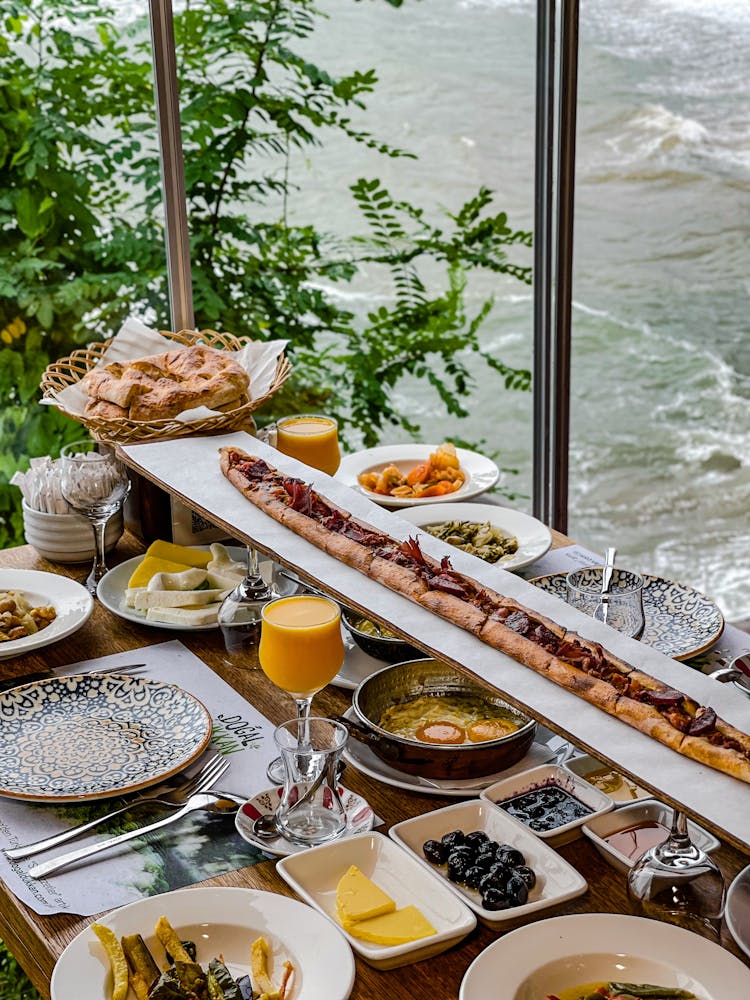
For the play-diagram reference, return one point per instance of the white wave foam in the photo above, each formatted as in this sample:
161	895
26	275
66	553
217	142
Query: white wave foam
653	130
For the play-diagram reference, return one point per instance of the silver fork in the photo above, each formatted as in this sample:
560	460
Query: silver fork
164	795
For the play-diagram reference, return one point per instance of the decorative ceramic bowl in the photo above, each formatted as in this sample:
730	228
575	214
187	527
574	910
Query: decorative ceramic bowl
66	538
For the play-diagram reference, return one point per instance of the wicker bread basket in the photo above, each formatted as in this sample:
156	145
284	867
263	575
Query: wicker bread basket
122	430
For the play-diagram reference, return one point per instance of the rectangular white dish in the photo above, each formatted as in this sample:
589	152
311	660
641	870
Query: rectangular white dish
557	881
623	794
596	801
314	875
648	810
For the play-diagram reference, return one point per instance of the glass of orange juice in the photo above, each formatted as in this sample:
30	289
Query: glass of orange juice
311	438
301	650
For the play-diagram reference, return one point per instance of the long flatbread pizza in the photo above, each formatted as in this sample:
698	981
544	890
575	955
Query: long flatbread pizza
570	660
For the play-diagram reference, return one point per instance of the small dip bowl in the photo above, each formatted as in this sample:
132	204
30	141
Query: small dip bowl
620	789
391	649
551	776
648	811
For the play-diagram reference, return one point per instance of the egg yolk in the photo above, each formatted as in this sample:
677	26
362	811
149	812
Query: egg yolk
488	729
441	732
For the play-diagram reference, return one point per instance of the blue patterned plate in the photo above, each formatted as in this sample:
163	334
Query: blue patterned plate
91	736
680	622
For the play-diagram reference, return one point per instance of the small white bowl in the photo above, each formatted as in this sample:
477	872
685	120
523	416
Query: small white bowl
315	873
66	538
552	774
583	766
649	810
556	880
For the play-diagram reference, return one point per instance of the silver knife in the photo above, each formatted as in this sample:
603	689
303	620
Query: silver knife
201	800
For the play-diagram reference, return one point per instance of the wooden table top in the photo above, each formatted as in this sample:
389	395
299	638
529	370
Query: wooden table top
38	941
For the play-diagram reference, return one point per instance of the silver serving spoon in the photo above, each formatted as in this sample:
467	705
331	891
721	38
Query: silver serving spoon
601	611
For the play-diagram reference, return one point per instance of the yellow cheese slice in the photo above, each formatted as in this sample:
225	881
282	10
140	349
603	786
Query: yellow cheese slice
357	898
151	565
399	927
183	554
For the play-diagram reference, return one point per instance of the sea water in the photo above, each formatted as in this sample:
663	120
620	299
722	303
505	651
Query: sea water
660	421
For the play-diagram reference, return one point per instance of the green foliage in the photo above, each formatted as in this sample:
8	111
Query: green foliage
83	242
13	983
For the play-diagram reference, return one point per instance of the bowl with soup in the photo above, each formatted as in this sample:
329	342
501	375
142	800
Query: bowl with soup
424	717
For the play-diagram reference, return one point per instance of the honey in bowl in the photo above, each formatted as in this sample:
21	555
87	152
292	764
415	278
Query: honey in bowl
451	719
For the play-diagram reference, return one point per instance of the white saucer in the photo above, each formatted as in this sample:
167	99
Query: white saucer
359	819
362	757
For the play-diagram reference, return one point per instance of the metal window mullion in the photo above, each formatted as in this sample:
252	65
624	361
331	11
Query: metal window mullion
566	154
172	165
543	258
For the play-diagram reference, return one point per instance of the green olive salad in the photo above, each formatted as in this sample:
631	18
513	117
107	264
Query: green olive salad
481	539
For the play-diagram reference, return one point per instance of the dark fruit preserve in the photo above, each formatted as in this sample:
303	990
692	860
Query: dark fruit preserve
545	808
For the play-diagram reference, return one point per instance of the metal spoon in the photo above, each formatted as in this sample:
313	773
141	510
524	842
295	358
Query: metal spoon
601	611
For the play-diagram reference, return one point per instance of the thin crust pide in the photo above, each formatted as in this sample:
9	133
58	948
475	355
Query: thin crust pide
571	661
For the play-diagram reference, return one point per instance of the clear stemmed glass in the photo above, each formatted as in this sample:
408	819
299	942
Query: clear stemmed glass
95	483
677	882
301	650
240	612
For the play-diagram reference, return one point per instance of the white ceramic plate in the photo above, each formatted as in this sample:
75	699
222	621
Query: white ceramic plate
112	587
597	802
362	757
534	538
72	603
556	880
219	920
737	911
315	873
481	472
91	736
562	952
359	819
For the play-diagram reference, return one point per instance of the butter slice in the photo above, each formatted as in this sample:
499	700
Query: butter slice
185	616
149	567
183	554
399	927
357	898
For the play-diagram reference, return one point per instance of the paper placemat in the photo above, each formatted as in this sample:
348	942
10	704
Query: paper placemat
189	468
194	849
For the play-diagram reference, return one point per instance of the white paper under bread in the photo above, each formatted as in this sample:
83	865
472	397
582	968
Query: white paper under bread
190	467
136	340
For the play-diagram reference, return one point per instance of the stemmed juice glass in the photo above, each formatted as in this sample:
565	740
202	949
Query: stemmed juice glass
95	483
301	650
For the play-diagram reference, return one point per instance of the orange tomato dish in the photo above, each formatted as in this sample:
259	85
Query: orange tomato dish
439	475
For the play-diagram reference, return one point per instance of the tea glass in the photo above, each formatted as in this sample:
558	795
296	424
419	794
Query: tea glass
310	811
624	597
